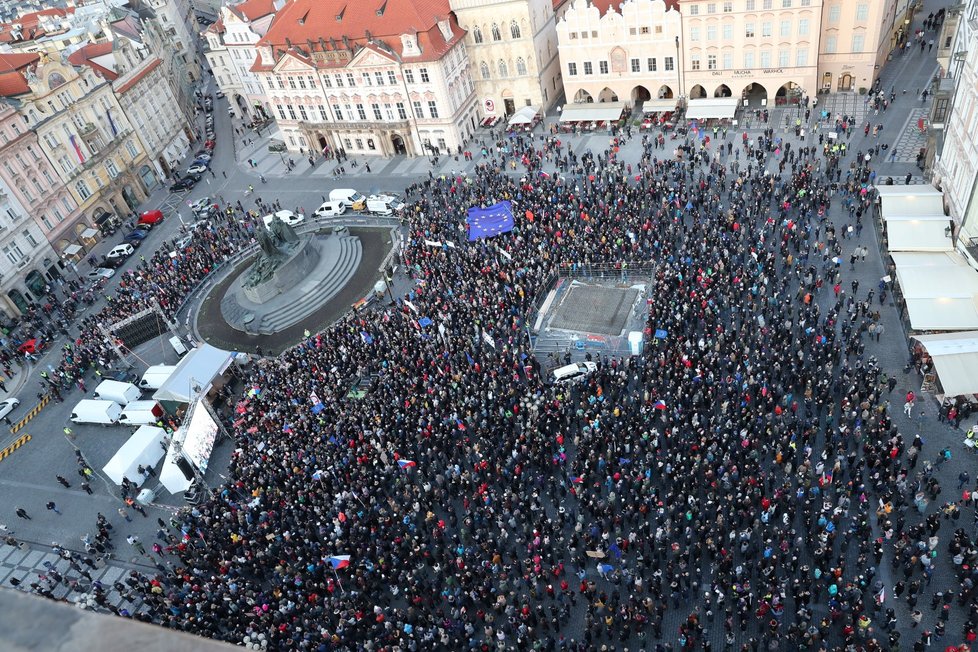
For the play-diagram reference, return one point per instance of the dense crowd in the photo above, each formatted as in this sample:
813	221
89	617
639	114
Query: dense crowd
739	483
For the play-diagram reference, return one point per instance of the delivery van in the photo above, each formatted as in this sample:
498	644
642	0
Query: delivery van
331	208
348	196
155	376
121	393
178	346
384	205
570	373
141	413
92	411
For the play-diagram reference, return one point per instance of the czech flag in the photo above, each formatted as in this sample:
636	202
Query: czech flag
406	464
339	561
660	405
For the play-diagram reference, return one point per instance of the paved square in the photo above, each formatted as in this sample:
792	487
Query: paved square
594	309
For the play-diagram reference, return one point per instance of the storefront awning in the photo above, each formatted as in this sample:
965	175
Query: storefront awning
659	106
712	108
918	234
955	357
910	201
524	116
939	297
591	112
72	250
89	234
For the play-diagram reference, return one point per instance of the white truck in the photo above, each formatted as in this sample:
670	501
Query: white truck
156	375
384	205
121	393
91	411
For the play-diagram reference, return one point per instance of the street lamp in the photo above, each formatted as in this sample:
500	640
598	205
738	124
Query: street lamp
679	69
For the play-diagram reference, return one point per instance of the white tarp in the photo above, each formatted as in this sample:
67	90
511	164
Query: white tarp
918	234
659	105
939	297
592	112
170	474
927	259
197	369
711	108
910	201
955	359
143	448
524	116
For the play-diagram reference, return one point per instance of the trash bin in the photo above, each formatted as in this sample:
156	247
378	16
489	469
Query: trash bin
146	496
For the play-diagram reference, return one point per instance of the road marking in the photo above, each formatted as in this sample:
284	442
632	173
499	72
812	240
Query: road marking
30	415
20	441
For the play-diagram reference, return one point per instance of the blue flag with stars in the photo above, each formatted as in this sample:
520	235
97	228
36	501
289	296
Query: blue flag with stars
491	221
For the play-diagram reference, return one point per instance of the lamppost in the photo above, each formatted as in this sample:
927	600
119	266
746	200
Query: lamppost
679	69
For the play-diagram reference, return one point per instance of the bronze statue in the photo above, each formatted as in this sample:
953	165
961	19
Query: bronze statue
282	232
266	240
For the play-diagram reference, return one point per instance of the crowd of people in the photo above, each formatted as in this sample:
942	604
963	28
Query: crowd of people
736	486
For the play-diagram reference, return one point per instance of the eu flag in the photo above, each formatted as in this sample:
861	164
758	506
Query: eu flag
491	221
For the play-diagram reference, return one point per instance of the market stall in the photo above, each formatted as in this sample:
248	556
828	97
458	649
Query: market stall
144	448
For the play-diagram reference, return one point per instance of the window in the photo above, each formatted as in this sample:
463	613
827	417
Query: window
520	66
131	149
786	4
785	28
572	69
47	221
694	10
784	58
803	27
749	30
727	7
337	112
477	35
573	35
831	44
484	70
862	12
12	253
291	110
765	58
291	82
496	36
711	32
366	79
302	82
401	111
361	111
768	3
587	68
323	116
339	80
424	75
644	29
801	58
514	30
636	65
347	143
359	142
603	67
31	150
349	80
858	41
111	169
503	69
391	77
409	76
711	62
834	12
694	63
711	8
81	187
766	30
379	78
750	5
433	108
668	63
370	144
377	114
806	3
727	60
940	109
651	64
694	33
728	31
418	111
31	240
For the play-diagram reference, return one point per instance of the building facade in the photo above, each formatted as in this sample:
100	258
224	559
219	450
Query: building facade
630	53
32	201
764	51
348	77
512	51
244	24
856	39
219	60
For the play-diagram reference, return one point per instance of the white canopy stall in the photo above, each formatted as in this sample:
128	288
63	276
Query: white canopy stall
197	370
910	201
144	448
712	108
918	234
940	291
524	116
592	112
955	357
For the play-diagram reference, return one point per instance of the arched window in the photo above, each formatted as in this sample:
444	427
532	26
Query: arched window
520	66
83	191
477	34
484	70
514	29
496	36
503	71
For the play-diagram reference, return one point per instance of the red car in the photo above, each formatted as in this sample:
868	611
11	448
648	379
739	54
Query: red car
31	346
151	217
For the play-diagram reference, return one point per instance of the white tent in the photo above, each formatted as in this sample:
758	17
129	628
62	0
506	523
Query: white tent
711	108
591	112
927	259
918	234
171	476
955	358
660	105
524	115
197	369
939	297
144	448
910	201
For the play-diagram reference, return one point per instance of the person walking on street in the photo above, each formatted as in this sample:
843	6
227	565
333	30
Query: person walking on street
63	481
963	479
52	507
136	543
124	514
87	488
22	513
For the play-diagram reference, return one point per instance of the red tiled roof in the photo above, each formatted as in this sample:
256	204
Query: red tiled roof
604	5
303	21
135	79
30	24
12	66
86	55
254	9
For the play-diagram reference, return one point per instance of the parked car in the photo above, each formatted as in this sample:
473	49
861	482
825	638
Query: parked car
135	235
202	155
288	217
197	168
101	272
151	218
184	242
31	346
120	252
203	207
7	406
186	183
219	95
210	144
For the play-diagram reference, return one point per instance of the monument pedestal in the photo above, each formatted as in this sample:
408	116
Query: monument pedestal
303	257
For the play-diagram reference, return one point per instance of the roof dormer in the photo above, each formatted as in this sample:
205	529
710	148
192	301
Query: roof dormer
409	44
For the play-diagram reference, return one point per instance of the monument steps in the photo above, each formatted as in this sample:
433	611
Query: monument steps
315	296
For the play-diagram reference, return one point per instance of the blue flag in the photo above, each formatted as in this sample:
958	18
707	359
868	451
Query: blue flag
487	222
661	334
424	321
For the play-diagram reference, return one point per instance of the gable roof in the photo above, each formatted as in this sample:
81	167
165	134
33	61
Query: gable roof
30	25
135	79
12	67
253	9
98	57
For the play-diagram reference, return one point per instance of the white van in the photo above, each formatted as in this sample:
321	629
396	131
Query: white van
348	196
90	411
330	209
156	375
570	373
178	346
121	393
290	218
384	205
141	413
